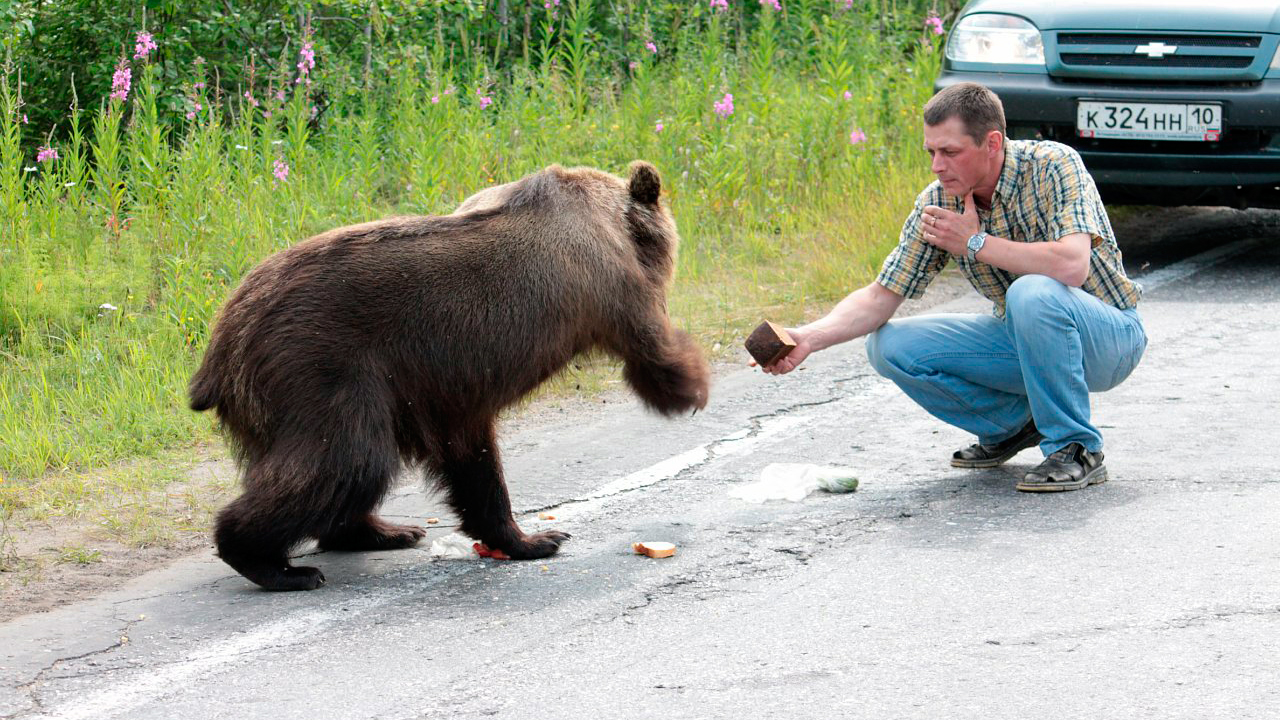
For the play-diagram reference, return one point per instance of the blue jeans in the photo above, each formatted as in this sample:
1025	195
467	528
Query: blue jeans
989	376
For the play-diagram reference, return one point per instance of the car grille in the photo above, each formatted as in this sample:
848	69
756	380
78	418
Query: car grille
1206	57
1201	61
1235	41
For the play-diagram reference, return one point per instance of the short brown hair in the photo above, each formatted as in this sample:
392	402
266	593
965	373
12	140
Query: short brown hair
977	107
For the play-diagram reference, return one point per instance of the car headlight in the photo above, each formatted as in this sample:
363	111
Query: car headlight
994	38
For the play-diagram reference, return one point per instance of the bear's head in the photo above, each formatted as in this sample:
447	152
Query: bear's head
595	200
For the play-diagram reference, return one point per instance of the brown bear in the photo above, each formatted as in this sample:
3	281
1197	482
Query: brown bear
400	340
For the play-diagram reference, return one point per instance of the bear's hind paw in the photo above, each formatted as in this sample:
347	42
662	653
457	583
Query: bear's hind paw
292	578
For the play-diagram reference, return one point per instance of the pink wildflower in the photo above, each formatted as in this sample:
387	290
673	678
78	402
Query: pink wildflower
144	45
857	137
848	95
281	170
191	114
724	108
935	22
306	61
658	127
651	47
24	119
121	81
775	4
722	5
485	101
46	154
253	101
633	64
435	99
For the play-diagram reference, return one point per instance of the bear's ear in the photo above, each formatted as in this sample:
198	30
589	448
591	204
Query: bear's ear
644	184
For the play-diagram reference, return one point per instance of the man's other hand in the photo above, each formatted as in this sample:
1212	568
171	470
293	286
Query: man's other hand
948	230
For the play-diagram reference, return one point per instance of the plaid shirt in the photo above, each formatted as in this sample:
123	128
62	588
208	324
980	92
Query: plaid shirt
1044	193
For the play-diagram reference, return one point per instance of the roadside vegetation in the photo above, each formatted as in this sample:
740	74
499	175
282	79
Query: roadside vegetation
134	197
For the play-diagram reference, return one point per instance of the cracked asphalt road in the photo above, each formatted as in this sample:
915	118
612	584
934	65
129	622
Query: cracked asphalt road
930	592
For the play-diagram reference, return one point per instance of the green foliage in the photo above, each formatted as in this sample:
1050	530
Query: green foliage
115	256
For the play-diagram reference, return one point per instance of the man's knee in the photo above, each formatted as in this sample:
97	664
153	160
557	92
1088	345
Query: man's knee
1033	294
884	350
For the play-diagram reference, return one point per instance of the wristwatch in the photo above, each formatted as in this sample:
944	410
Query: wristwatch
975	244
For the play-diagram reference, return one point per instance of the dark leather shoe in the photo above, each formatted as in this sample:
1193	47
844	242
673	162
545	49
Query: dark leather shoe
1070	468
988	456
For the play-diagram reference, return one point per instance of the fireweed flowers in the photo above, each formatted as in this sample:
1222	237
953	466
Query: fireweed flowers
121	80
724	108
281	171
485	100
775	4
46	154
935	23
651	47
722	5
306	62
143	45
857	137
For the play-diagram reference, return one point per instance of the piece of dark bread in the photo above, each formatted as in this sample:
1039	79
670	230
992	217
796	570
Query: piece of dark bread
769	343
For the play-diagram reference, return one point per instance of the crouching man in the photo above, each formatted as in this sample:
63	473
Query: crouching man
1025	224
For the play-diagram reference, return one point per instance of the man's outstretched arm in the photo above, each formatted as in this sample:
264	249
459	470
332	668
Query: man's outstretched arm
862	312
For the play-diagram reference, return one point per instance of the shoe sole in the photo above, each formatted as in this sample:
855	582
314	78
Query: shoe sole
995	461
1097	476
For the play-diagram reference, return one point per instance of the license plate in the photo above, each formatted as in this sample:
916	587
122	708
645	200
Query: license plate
1149	121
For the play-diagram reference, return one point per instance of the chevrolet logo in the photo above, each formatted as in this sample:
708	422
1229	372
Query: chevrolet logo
1155	50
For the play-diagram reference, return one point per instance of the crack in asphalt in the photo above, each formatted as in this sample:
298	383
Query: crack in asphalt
29	687
711	452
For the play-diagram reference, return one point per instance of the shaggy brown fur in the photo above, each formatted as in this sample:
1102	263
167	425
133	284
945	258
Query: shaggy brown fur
401	340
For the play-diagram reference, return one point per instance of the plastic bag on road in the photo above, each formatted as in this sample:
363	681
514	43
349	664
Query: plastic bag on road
794	482
454	546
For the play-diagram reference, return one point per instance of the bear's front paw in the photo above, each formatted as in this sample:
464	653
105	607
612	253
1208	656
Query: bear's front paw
538	545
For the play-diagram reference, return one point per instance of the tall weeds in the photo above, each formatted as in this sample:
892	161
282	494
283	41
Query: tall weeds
116	255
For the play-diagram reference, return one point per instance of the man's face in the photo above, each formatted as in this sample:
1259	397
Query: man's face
960	164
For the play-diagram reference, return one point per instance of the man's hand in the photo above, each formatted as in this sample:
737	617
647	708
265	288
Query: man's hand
948	230
791	360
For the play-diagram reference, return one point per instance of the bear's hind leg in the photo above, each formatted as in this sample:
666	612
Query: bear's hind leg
472	477
254	538
370	532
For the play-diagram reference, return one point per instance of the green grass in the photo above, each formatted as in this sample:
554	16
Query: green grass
116	256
